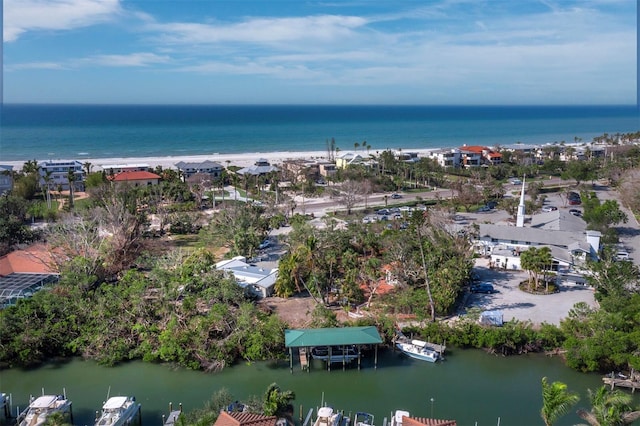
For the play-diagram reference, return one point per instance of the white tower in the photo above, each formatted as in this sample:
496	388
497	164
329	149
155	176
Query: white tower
520	217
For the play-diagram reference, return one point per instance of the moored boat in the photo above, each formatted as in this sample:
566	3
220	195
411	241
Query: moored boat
396	419
335	354
327	417
418	349
41	408
363	419
118	411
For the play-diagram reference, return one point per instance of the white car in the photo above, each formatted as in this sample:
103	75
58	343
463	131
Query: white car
549	208
622	255
515	181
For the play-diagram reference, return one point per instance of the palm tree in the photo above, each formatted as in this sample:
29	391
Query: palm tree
556	401
277	402
87	167
71	177
47	182
609	408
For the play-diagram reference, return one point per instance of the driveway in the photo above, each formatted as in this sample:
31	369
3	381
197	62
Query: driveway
516	304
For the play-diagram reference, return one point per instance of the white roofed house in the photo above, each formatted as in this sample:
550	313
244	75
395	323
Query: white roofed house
255	280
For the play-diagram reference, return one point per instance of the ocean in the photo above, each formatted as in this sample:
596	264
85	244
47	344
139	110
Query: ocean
45	132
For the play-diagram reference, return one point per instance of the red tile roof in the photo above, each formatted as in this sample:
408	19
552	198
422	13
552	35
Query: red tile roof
130	175
244	419
35	259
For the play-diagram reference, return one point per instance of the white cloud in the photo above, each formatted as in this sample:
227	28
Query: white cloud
36	66
261	31
129	60
21	16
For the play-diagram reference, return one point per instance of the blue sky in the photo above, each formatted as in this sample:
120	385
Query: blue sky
320	52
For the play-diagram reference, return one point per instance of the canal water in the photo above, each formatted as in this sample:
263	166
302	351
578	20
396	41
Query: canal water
471	386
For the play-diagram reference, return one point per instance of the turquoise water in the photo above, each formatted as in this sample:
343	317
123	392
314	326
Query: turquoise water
103	131
471	387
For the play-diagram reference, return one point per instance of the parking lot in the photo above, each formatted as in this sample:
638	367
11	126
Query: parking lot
516	304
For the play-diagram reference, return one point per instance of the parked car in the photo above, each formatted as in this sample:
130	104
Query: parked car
622	255
492	204
483	288
515	181
383	212
575	212
484	209
395	196
369	219
549	208
263	245
575	201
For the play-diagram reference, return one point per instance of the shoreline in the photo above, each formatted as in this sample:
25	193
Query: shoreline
240	159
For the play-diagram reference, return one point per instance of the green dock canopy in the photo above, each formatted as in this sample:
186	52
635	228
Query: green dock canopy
312	337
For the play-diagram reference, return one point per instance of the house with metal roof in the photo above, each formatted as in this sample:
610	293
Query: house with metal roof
306	339
254	279
260	167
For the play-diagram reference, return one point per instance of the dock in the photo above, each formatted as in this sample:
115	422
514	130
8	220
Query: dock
173	416
621	383
304	359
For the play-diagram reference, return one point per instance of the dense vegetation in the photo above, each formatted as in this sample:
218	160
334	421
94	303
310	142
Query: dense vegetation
127	294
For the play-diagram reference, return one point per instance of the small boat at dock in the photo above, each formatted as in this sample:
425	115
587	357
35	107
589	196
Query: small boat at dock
41	408
418	349
335	354
363	419
119	411
327	417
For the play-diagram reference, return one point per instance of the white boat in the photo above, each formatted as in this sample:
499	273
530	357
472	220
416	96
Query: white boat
363	419
418	349
396	420
335	354
42	407
327	417
118	411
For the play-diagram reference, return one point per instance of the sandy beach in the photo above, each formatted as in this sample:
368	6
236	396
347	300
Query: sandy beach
240	160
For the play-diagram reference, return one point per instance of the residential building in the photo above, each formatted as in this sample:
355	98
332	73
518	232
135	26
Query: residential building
447	157
23	272
347	159
327	168
260	167
56	174
476	155
211	168
6	178
135	178
112	169
254	279
470	157
406	156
